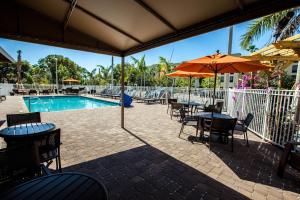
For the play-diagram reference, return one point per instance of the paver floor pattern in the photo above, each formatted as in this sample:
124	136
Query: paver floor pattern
148	160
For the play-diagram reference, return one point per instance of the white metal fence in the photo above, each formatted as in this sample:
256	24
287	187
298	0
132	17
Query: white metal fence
276	112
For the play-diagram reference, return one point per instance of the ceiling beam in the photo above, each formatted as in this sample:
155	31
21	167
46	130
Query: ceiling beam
252	11
106	23
154	13
69	13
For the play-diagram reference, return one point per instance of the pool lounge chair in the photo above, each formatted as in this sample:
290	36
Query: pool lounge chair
33	92
156	98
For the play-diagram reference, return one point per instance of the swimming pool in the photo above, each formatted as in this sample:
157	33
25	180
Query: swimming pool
60	103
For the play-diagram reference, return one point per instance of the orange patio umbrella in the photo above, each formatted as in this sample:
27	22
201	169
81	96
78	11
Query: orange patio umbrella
189	75
219	63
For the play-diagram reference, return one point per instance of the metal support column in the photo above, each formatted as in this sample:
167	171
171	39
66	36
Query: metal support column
122	91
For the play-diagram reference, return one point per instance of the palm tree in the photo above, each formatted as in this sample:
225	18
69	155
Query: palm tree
141	66
283	24
104	74
164	66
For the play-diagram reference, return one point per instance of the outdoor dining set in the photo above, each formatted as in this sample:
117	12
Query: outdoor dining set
31	147
208	118
220	126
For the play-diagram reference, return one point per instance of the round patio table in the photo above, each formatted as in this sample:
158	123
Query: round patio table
209	115
190	104
59	186
26	130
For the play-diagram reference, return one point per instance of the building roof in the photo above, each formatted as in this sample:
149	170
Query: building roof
5	57
124	27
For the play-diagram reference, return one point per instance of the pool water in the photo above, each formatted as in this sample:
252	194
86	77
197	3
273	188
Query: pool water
60	103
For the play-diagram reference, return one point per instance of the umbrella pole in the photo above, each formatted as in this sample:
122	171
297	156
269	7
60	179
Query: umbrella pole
190	89
214	93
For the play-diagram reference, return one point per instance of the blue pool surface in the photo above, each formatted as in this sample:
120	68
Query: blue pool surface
60	103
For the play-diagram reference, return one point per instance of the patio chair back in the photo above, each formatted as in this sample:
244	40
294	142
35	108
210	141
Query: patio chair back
16	119
171	101
48	148
209	108
248	119
176	106
219	107
223	126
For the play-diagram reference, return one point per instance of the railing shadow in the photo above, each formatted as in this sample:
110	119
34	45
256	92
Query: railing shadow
257	163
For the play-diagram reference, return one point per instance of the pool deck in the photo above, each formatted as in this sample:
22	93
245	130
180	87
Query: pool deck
148	160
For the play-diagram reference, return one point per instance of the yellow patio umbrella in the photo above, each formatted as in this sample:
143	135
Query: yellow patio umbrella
220	63
189	75
71	80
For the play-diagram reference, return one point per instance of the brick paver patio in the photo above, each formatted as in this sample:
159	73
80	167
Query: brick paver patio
147	160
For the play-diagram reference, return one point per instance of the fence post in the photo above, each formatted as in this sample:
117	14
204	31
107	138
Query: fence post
265	127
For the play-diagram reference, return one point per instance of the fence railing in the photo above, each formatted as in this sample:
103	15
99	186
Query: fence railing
276	112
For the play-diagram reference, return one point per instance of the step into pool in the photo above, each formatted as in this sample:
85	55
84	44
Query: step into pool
61	103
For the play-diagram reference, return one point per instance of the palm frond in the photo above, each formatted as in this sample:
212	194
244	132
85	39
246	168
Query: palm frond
259	26
292	27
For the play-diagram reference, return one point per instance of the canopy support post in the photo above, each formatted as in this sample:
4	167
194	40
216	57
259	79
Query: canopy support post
122	91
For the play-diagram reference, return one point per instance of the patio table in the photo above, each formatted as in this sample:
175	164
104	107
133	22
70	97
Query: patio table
208	115
59	186
190	104
26	130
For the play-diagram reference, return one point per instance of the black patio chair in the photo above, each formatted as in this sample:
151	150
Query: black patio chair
16	119
201	107
291	156
48	149
169	103
175	109
209	108
224	128
188	121
17	164
33	92
242	126
219	107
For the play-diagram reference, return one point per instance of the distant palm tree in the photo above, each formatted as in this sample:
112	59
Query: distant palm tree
164	66
141	67
283	24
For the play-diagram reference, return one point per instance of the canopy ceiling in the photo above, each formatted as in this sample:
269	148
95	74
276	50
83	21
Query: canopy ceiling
5	57
124	27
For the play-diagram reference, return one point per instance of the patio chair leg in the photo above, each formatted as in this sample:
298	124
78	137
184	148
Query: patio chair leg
56	163
209	141
232	142
247	138
181	130
59	164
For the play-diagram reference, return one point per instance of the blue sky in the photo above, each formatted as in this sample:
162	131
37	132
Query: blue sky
183	50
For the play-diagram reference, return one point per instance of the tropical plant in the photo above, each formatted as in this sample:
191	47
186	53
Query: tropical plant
140	64
209	82
283	24
8	72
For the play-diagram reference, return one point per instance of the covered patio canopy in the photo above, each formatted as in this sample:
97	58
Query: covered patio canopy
5	57
124	27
